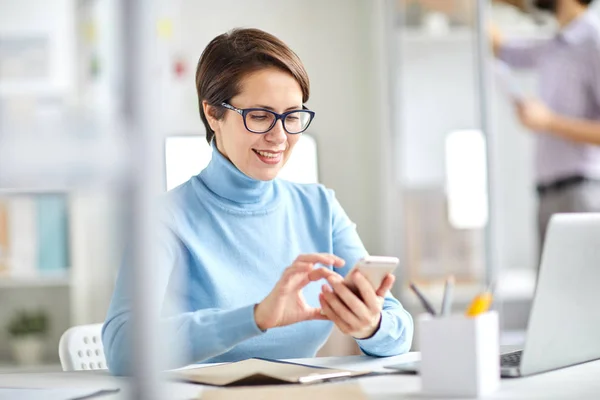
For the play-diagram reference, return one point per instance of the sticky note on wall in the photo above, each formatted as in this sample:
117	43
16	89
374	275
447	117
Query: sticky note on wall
164	28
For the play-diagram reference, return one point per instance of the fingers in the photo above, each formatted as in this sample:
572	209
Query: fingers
349	308
317	313
523	107
330	314
299	267
350	300
302	270
386	285
367	293
522	116
322	258
296	276
321	273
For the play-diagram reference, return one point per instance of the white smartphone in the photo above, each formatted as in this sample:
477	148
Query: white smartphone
507	82
374	268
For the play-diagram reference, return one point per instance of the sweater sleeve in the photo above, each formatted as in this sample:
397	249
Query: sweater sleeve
395	332
522	53
595	68
189	336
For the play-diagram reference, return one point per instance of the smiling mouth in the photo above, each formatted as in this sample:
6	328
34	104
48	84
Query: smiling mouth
267	154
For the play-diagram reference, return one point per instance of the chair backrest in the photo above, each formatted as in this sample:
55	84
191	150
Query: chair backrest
302	166
186	155
80	348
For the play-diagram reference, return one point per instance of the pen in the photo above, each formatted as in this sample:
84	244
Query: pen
323	377
423	300
448	292
481	303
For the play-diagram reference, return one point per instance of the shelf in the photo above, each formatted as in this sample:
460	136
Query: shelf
97	148
33	191
33	87
34	281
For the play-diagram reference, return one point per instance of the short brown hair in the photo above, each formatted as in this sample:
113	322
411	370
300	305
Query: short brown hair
231	56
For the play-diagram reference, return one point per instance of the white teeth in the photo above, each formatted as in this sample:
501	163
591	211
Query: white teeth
267	155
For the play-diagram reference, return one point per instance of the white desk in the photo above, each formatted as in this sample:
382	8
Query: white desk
578	382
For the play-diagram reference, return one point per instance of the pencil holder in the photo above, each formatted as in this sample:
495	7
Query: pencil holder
459	355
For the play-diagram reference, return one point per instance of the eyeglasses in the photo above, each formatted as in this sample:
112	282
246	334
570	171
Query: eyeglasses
260	120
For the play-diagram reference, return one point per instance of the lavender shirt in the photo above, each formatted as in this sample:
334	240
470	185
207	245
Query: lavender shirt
569	84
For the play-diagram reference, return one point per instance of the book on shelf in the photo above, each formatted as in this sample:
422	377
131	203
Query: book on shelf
22	236
3	237
52	233
34	237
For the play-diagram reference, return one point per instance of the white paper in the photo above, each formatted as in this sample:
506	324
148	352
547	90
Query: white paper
507	82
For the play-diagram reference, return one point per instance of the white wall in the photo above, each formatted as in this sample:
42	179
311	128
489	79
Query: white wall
438	95
333	39
99	32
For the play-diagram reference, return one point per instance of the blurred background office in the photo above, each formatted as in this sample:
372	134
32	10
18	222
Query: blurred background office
400	134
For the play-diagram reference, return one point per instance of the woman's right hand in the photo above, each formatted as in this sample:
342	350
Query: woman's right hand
285	305
496	38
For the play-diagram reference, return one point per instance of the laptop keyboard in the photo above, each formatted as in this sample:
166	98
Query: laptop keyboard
511	359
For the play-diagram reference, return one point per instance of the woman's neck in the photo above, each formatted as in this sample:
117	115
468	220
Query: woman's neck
223	178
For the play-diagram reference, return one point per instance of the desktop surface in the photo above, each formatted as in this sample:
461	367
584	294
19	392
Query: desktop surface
577	382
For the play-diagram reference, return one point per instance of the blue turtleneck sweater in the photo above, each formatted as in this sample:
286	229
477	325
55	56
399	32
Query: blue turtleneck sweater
224	243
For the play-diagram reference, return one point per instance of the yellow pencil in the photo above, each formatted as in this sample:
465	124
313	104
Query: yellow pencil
480	304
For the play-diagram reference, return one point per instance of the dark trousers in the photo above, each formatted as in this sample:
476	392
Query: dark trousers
576	196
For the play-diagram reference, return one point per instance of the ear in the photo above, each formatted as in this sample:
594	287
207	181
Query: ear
209	112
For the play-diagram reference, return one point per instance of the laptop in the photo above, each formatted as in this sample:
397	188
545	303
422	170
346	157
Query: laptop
564	323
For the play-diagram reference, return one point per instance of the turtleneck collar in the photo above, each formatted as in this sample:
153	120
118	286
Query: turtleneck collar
227	181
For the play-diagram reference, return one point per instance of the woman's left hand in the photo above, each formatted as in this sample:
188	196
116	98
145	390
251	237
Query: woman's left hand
356	316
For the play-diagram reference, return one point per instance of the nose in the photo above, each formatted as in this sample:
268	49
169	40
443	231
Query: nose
277	134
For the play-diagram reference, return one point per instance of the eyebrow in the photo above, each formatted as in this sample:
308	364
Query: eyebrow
272	109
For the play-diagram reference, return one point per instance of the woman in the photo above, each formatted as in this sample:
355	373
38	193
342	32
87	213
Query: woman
240	249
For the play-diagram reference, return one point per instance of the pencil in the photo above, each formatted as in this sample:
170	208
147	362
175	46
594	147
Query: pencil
426	304
448	292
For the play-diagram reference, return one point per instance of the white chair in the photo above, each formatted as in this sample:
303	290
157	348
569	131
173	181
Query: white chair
80	348
186	155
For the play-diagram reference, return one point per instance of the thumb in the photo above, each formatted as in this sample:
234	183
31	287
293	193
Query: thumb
315	313
520	106
386	285
519	103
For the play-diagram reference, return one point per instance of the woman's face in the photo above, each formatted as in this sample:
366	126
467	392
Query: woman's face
259	156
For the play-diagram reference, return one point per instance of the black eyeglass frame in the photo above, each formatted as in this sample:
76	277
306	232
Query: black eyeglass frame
244	112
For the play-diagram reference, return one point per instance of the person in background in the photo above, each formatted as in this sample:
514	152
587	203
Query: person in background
566	118
239	248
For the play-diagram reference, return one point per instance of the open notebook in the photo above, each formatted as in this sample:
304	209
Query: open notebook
256	371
